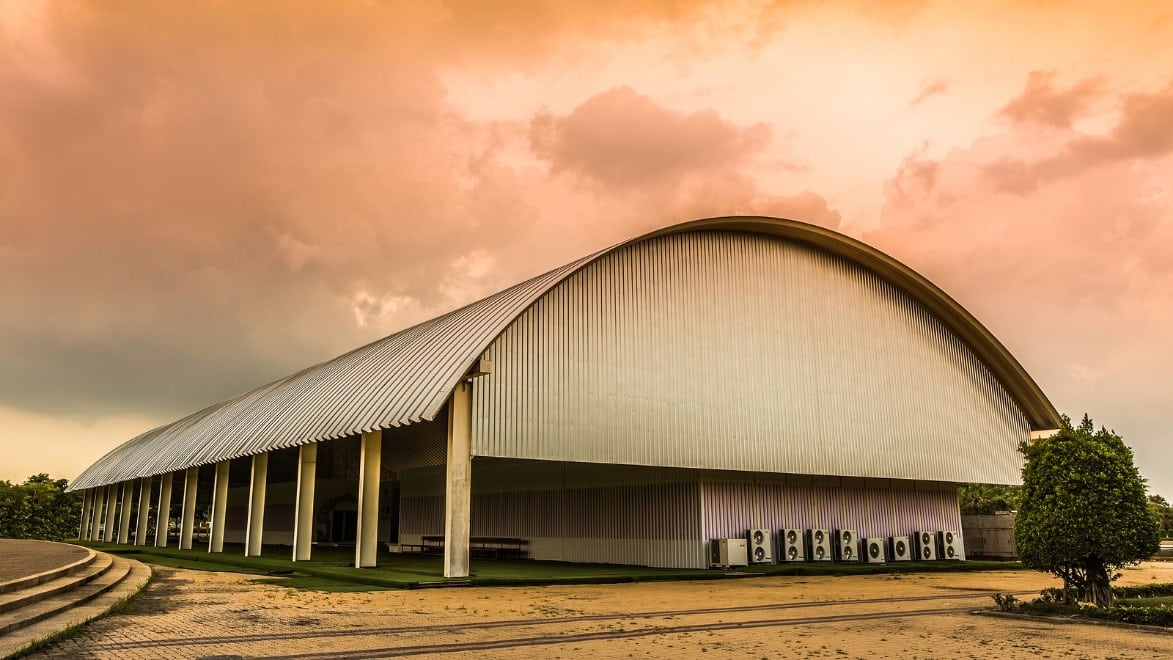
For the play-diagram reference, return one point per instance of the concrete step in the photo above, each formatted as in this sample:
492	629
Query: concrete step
26	581
39	611
136	576
99	564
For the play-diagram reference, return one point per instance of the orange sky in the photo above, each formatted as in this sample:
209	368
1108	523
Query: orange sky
196	200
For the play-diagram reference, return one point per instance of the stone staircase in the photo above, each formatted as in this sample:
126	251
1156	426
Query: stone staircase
36	606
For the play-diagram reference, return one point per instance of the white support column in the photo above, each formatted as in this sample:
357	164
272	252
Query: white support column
111	508
458	489
187	520
219	508
144	510
370	467
83	532
124	515
163	517
96	514
303	510
254	532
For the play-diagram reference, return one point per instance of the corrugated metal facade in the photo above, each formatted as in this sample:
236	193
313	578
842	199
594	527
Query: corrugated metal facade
746	352
872	507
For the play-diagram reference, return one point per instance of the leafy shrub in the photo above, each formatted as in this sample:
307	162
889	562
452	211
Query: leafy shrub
1056	595
1144	590
1159	615
1006	602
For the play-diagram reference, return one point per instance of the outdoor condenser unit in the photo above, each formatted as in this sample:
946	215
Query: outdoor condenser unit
727	552
924	546
899	548
819	542
950	545
761	546
791	542
846	545
873	550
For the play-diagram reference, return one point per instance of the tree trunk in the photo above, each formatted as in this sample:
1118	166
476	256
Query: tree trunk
1099	585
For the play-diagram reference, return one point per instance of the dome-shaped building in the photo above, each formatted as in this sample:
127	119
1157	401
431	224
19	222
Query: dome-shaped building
694	383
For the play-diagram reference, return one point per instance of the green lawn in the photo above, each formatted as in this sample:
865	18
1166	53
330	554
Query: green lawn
331	570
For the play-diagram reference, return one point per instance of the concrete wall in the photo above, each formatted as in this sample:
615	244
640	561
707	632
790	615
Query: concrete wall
990	536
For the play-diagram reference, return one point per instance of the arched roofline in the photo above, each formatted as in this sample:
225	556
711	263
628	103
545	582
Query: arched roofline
1035	406
427	360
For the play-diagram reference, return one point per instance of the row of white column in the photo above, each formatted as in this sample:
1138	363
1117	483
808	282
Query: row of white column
102	501
102	504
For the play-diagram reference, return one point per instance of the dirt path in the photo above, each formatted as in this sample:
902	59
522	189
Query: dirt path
188	614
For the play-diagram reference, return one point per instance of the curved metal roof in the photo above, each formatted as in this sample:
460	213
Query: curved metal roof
408	376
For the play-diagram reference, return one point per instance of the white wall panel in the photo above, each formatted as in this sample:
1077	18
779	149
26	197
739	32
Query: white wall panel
747	352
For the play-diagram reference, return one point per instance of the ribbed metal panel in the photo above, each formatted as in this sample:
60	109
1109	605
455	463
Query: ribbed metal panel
733	505
743	352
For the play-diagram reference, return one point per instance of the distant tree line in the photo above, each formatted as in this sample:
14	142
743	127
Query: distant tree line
1164	514
39	509
987	499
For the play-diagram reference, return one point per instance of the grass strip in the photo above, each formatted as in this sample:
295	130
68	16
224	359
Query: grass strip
332	569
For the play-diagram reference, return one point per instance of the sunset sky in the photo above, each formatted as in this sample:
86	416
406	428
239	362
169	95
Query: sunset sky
197	198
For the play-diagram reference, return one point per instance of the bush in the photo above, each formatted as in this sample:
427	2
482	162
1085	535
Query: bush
1144	590
1061	603
1006	602
39	509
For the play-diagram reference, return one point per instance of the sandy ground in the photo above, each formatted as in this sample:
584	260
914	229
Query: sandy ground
200	615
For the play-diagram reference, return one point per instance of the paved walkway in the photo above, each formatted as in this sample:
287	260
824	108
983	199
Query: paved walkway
187	614
19	557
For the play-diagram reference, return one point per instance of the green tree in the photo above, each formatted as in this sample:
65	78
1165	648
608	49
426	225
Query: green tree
987	499
1164	513
39	509
1083	513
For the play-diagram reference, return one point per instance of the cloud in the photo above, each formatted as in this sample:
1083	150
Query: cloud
1142	131
931	88
197	200
1041	103
623	139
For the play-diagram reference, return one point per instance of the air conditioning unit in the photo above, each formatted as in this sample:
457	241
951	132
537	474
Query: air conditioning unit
728	552
899	548
846	545
761	546
791	542
924	546
819	542
874	550
950	545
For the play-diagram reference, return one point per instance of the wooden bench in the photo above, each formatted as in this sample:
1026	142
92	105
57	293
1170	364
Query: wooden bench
485	547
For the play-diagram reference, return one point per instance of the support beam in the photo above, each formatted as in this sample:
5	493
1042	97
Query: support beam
458	487
255	531
87	501
163	518
124	515
370	467
144	510
111	509
219	507
96	514
187	519
303	509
